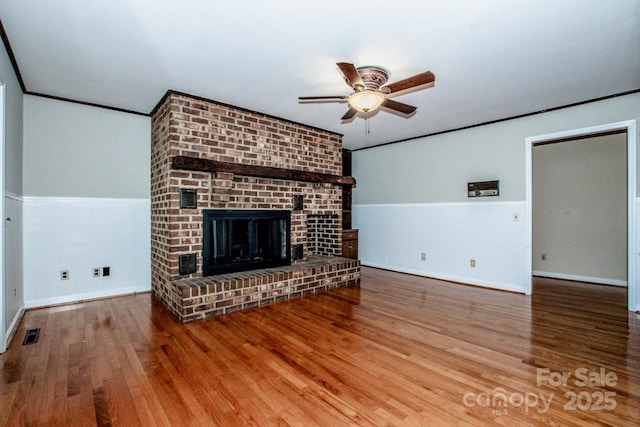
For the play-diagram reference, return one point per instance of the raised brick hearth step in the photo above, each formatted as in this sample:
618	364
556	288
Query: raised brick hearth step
202	297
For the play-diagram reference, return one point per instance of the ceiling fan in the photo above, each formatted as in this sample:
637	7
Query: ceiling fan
371	91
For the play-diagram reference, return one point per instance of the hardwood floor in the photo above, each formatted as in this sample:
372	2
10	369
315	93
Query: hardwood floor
397	350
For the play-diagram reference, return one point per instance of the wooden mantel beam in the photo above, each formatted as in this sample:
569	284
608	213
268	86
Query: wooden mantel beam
207	165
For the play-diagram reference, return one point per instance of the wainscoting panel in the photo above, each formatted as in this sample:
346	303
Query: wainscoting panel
78	235
451	235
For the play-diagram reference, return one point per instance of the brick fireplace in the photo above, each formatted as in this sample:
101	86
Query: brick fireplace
208	157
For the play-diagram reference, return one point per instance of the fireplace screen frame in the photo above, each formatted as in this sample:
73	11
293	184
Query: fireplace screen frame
242	230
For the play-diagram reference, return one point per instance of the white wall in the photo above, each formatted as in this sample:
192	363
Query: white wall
394	236
432	173
437	169
75	150
86	203
78	234
580	209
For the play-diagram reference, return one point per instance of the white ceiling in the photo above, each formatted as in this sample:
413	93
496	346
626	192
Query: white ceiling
492	59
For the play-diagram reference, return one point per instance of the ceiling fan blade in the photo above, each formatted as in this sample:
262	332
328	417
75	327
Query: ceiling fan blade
351	74
399	106
412	82
321	98
349	114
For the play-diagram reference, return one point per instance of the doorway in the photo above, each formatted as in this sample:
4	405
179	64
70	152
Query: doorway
632	251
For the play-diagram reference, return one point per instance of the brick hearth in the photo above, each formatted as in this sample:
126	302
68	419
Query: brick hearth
202	297
192	127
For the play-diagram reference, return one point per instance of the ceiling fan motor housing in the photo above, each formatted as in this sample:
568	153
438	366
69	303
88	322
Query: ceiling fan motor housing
373	76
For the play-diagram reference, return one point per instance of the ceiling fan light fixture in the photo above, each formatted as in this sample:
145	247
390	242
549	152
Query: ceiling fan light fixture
366	100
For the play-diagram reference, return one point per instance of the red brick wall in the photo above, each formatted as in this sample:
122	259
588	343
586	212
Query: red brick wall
188	126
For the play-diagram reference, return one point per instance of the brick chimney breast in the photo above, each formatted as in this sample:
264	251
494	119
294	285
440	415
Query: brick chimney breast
183	125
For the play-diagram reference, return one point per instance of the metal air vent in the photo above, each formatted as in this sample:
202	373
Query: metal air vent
31	337
187	264
298	202
188	198
483	189
297	252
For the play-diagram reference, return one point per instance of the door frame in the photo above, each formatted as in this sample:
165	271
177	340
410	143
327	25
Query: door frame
3	281
632	226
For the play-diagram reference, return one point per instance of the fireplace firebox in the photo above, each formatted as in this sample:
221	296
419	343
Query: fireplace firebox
240	240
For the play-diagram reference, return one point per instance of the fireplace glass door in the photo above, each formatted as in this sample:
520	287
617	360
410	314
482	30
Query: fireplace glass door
238	240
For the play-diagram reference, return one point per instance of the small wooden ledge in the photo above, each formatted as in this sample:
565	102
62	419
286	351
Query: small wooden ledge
207	165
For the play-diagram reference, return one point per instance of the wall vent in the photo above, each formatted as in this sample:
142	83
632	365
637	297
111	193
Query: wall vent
298	202
297	252
483	189
188	198
187	264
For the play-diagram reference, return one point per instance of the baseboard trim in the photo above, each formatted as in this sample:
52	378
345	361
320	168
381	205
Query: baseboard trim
577	278
78	298
449	278
13	327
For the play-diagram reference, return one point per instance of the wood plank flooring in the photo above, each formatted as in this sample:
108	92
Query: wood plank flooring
397	350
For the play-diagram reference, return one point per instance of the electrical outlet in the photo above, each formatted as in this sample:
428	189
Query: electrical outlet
96	271
106	271
472	263
516	216
64	275
423	256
